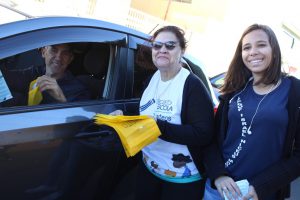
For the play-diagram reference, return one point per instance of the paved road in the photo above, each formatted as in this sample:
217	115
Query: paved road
295	193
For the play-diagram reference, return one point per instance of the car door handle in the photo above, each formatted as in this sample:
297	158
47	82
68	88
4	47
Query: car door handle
100	133
4	154
102	138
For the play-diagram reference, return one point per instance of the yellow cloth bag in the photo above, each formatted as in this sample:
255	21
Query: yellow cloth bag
135	132
34	95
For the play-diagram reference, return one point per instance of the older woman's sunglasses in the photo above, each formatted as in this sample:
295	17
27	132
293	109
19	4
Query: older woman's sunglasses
170	45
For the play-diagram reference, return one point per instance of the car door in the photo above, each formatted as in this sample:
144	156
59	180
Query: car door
31	136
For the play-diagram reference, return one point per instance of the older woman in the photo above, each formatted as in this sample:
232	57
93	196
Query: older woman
171	167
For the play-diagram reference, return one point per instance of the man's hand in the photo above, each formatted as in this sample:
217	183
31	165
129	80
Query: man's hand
46	83
228	186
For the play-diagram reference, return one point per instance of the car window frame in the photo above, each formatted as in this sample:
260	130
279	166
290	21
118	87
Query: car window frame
134	44
22	42
34	39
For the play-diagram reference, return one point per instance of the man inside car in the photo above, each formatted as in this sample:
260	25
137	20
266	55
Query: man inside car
55	82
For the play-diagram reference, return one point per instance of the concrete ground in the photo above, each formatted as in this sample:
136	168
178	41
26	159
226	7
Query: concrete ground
295	191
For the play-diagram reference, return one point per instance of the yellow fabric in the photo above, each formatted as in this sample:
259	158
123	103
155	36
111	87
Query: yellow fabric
34	95
135	132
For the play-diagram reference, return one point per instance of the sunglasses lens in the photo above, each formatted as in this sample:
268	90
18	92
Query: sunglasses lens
170	45
157	45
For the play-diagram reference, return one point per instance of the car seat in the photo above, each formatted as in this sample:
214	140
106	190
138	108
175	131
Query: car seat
95	63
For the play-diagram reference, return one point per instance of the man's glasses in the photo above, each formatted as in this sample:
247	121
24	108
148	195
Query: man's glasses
170	45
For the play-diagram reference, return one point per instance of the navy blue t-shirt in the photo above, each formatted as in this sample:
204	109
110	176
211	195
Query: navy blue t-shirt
248	154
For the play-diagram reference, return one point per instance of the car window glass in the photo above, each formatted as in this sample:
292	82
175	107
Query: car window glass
84	79
143	69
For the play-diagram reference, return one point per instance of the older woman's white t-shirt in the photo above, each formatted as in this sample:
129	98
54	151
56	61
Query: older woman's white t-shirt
163	100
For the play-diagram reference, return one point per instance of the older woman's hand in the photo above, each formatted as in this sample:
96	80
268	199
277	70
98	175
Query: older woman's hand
116	112
229	187
150	116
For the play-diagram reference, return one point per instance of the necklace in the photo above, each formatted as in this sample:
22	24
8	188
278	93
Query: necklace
270	90
245	131
157	96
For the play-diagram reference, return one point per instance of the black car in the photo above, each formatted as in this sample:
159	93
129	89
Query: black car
113	62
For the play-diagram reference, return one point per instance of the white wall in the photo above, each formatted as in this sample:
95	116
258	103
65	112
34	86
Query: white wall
113	10
217	44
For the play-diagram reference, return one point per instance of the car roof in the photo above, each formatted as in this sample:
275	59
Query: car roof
27	25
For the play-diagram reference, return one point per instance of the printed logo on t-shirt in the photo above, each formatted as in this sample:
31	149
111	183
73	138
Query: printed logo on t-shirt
164	110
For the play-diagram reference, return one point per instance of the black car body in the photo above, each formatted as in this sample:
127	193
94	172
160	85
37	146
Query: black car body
29	135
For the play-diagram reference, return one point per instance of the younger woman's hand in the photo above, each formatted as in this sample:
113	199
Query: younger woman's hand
251	194
227	185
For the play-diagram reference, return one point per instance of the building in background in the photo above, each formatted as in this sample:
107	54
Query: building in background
212	26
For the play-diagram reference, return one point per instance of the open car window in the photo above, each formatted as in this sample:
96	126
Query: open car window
88	69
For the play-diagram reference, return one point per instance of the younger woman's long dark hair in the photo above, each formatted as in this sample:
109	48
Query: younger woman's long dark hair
238	74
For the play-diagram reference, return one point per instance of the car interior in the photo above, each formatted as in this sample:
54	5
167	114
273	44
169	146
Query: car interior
95	69
144	68
86	66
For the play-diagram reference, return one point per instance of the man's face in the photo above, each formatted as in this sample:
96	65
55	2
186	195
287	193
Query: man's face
57	59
